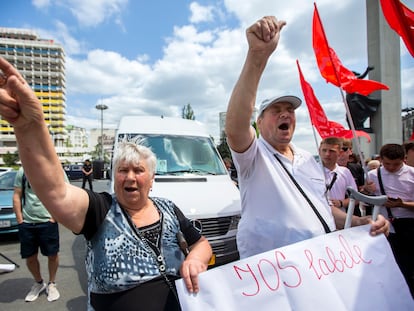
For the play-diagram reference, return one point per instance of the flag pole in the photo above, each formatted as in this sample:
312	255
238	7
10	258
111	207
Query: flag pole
351	124
317	147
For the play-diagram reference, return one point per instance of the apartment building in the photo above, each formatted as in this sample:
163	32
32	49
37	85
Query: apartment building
42	64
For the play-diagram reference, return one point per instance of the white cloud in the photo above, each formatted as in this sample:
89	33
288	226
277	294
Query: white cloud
61	34
201	65
190	33
41	4
106	73
201	13
89	13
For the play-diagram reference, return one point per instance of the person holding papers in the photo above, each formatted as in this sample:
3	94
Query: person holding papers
395	179
282	187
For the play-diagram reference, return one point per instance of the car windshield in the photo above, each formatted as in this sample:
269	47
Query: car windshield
180	155
7	180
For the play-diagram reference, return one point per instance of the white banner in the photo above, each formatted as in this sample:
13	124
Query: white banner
343	270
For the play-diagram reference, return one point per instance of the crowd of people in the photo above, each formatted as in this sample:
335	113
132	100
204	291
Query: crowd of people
276	177
286	195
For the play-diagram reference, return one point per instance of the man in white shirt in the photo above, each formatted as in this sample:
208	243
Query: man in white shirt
282	187
397	180
337	178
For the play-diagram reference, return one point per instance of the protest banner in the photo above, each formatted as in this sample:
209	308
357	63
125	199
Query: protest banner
343	270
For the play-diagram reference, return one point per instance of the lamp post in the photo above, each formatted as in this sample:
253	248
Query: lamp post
101	107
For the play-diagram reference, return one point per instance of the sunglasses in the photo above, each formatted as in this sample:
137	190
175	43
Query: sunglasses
345	148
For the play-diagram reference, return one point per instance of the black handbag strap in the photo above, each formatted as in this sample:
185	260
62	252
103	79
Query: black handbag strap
329	187
24	181
154	251
389	213
323	222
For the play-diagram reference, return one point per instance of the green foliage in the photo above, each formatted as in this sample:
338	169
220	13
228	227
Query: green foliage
97	153
254	124
188	113
224	149
10	159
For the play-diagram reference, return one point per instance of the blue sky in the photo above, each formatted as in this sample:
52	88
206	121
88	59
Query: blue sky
154	57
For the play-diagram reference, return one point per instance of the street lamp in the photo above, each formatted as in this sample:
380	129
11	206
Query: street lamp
101	107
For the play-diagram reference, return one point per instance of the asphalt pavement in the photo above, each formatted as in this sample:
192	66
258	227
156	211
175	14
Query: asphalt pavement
71	277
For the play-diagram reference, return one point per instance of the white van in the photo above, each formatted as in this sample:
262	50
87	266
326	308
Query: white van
191	173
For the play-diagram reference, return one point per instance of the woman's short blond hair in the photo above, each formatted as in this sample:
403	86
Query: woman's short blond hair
132	153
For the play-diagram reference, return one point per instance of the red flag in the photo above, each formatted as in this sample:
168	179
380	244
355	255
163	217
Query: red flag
401	20
316	113
318	117
323	51
412	136
331	67
363	87
350	83
338	130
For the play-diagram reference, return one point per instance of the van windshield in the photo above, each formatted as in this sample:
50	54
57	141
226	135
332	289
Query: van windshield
179	155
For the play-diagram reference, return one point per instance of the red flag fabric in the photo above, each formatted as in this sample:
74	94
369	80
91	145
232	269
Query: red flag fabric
401	20
363	87
412	136
318	117
350	83
323	51
338	130
331	67
316	113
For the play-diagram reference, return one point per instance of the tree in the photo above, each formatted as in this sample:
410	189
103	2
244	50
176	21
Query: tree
188	113
10	159
224	149
96	154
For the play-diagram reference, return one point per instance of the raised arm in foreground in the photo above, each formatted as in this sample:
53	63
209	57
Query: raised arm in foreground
22	109
263	37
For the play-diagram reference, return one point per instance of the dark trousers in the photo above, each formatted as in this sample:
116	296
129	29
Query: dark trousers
89	179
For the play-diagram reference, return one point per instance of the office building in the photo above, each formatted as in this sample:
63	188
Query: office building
42	64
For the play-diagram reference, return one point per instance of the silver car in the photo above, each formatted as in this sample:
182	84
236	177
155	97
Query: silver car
8	222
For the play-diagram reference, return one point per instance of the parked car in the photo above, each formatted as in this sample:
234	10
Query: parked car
4	169
73	171
8	222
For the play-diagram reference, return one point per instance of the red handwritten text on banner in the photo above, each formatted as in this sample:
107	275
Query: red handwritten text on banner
315	274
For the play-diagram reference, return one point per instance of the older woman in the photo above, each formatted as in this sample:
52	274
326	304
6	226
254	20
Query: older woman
133	252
